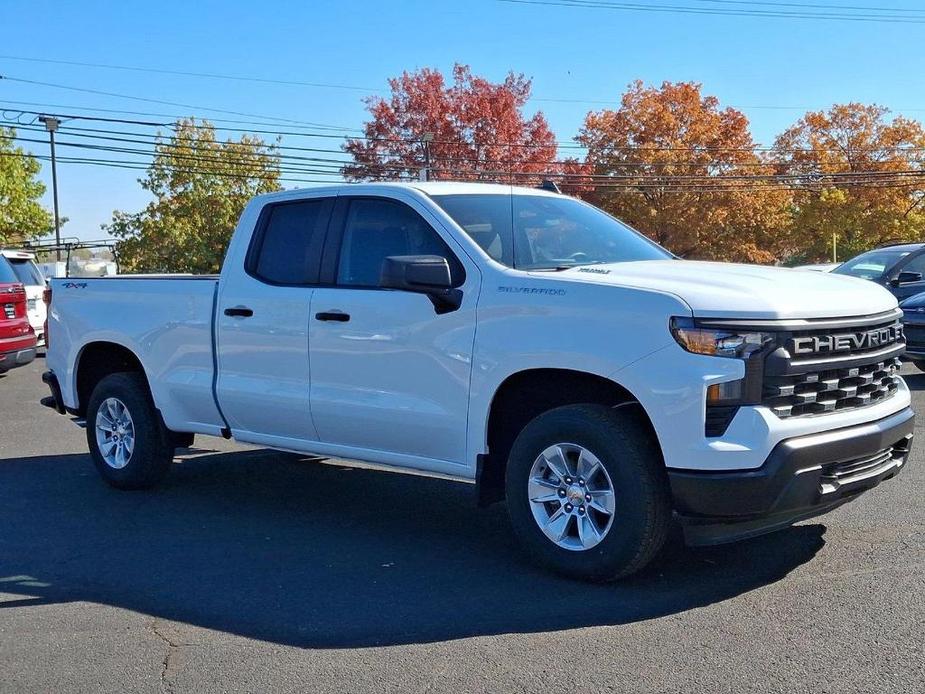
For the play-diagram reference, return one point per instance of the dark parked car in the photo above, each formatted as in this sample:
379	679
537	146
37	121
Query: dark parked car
900	268
914	328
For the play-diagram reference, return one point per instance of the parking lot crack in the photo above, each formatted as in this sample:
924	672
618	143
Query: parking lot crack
170	647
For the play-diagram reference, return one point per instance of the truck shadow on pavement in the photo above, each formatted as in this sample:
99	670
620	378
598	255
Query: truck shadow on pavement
271	547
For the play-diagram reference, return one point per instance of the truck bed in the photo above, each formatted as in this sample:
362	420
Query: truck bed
166	320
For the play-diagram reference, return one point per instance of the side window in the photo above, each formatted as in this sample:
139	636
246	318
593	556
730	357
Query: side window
917	264
290	242
376	229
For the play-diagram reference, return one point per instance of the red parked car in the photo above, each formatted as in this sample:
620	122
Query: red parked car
17	338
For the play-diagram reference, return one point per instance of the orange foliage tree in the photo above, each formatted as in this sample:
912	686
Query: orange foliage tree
859	175
679	168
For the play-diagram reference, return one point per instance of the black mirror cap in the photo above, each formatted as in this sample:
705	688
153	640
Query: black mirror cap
416	273
906	277
424	274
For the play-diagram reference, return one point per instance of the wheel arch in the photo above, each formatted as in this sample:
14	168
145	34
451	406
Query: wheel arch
98	359
526	394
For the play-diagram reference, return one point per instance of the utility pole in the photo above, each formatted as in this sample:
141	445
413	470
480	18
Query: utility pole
51	125
427	138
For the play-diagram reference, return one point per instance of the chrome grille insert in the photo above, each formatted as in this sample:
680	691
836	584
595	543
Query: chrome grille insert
818	392
837	475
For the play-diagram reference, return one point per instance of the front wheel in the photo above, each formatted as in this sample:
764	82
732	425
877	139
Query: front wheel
587	491
129	444
919	364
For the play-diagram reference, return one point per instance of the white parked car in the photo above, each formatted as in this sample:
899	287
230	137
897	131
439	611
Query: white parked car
23	264
517	339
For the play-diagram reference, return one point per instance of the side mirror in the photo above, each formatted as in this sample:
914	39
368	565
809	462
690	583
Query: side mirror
422	274
906	277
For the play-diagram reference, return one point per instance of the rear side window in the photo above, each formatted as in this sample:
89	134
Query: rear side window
289	246
376	229
27	272
7	276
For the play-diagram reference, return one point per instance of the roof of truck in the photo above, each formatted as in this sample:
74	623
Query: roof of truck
428	188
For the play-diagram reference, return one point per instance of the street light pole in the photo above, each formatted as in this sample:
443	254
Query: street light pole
51	125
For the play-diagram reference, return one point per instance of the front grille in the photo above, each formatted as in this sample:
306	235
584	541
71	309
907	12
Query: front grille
816	371
9	310
817	392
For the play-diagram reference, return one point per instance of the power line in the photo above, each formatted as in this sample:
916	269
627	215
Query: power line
688	9
523	178
616	159
263	131
356	88
186	73
280	151
804	5
171	103
674	181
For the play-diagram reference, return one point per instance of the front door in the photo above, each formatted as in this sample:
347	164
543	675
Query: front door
389	373
263	322
915	264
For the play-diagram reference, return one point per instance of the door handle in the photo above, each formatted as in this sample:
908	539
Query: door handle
333	315
239	311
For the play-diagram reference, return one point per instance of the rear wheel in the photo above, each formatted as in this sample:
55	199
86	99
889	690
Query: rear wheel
129	444
587	491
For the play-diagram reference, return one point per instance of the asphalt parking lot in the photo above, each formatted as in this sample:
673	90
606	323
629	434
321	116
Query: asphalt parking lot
254	571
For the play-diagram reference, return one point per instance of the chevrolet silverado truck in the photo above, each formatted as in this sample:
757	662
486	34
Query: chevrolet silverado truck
517	339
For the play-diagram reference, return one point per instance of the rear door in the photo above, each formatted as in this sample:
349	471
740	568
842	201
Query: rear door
262	325
389	373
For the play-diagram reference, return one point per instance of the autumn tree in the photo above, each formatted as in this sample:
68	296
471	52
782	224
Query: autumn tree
22	217
478	130
200	185
674	164
858	175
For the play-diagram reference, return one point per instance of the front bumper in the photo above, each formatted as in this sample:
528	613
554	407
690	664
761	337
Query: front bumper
17	357
802	477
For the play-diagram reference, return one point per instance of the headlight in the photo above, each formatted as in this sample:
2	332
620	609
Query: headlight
717	342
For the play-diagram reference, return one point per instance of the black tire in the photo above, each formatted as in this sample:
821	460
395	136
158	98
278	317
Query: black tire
919	364
622	441
153	449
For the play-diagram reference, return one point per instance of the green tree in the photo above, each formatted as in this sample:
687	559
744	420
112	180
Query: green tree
22	217
200	186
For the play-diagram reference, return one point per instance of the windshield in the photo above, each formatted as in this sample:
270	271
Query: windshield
539	232
7	276
27	272
871	265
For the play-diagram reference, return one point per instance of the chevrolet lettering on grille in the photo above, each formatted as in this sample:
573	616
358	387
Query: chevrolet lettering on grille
847	342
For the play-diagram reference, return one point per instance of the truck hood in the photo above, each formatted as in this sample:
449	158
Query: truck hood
728	290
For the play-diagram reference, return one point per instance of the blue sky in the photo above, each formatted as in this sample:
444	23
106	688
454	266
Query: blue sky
771	68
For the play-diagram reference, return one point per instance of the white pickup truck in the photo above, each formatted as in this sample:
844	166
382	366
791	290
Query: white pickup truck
515	338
